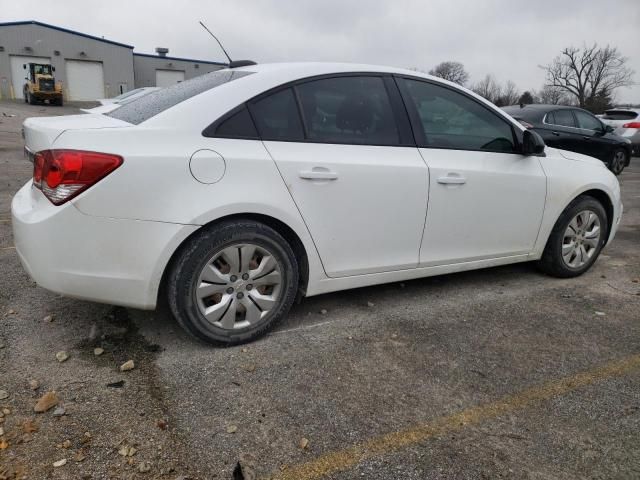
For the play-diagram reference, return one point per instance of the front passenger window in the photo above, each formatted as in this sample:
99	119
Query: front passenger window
587	121
452	120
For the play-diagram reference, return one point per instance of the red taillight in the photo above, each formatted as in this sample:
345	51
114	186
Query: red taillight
63	174
631	125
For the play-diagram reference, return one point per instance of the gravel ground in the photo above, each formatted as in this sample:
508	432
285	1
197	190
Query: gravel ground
425	350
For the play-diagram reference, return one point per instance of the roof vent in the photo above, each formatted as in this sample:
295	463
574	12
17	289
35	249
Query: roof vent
161	51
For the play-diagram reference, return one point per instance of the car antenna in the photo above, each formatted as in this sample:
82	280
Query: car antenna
232	64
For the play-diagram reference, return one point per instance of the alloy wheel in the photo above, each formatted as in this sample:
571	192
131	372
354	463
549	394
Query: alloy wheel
238	286
619	159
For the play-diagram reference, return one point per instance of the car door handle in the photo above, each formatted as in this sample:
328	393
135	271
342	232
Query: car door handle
452	180
557	134
318	174
586	137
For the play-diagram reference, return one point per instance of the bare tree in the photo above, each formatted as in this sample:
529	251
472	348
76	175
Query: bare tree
488	88
553	95
589	73
509	94
452	71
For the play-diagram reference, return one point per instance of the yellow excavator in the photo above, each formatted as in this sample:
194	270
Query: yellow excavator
41	86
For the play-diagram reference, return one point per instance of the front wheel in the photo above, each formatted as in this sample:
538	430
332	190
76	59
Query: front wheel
232	282
618	161
576	239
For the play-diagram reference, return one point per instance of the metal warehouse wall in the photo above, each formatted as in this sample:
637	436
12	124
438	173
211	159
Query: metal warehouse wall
117	60
145	67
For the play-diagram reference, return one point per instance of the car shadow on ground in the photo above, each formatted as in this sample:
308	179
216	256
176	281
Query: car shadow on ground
319	310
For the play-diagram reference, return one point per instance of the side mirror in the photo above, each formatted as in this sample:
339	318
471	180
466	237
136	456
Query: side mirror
607	128
532	144
24	65
53	69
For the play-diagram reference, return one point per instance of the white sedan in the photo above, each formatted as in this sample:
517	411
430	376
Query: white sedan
237	191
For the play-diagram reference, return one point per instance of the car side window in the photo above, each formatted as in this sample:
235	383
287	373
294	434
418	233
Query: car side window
550	118
354	110
587	121
564	118
276	117
452	120
238	125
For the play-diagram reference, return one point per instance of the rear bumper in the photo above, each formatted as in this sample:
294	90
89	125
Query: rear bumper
106	260
633	135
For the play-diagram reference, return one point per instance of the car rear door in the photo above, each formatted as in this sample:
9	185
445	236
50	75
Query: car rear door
485	199
560	130
344	149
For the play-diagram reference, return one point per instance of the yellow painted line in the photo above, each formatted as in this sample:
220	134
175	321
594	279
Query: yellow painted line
341	460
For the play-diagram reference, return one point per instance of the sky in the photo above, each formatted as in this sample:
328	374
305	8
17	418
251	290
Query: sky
509	39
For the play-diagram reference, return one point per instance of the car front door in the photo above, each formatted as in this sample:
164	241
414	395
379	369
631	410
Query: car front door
344	149
594	140
485	199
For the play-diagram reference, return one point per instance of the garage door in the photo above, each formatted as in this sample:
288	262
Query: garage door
18	73
166	78
85	80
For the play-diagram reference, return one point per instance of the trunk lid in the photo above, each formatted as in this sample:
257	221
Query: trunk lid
40	133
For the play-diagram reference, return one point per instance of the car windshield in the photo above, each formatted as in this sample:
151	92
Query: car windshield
42	69
619	115
147	106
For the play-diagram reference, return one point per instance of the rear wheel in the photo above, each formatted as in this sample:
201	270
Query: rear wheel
30	99
233	282
576	239
618	161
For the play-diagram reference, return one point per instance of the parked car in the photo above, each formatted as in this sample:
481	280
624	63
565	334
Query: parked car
237	191
110	104
576	130
626	122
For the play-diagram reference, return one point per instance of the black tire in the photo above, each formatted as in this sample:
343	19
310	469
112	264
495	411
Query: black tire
194	255
31	100
619	160
552	262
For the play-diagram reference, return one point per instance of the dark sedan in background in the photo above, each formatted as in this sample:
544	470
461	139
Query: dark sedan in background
574	129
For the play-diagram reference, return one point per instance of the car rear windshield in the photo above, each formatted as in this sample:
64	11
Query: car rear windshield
619	115
143	108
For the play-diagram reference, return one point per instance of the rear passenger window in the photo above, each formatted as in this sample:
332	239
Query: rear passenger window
452	120
277	117
550	119
564	118
354	110
238	125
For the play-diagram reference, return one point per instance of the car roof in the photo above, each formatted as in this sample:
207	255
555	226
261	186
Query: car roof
623	109
229	95
534	111
305	69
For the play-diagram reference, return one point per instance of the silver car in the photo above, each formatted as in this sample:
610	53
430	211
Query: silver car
626	122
